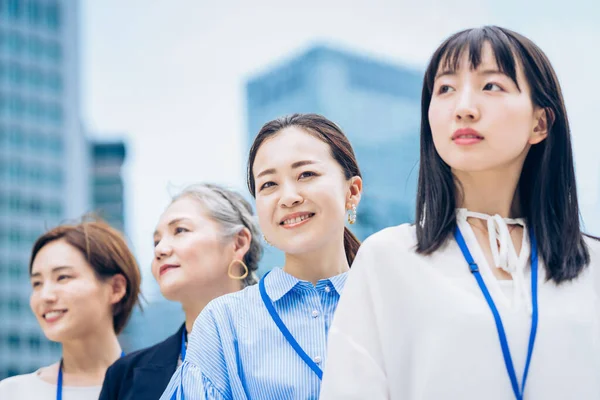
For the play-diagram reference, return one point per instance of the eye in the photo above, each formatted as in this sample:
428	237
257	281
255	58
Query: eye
307	174
156	242
180	229
36	284
63	277
267	185
493	87
445	89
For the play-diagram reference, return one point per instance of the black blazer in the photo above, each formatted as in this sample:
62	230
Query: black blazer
144	374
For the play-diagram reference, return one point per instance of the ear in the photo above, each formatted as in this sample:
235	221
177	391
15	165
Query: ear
118	285
354	192
543	119
241	243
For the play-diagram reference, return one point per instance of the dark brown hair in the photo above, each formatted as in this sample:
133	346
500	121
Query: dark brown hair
107	253
547	191
325	130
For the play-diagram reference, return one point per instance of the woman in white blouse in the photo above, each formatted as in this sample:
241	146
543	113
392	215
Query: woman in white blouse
494	293
85	282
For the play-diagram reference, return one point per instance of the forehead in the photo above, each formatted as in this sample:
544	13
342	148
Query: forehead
288	146
185	207
58	254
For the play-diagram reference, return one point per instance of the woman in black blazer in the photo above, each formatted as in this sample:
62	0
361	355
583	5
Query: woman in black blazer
206	244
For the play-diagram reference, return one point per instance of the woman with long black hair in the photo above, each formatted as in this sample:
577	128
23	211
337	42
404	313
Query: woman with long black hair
494	292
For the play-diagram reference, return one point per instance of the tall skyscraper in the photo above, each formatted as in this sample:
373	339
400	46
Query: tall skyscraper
377	104
43	158
107	182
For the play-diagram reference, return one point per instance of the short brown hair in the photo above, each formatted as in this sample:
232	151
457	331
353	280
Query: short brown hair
106	250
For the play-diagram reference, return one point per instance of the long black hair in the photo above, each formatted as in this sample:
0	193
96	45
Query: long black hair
547	191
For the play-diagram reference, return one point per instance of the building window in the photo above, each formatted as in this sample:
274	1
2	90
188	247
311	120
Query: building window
35	77
15	270
35	46
15	8
34	12
53	16
15	42
14	306
53	51
14	341
15	73
35	343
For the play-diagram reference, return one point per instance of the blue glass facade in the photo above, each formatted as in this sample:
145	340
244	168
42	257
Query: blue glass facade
377	104
42	158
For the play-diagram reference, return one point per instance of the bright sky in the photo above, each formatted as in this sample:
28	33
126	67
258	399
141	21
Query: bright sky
168	76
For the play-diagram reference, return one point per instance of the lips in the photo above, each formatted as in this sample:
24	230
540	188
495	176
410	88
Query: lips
166	268
296	218
466	133
53	315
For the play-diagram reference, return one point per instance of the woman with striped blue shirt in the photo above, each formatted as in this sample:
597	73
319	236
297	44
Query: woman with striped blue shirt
269	341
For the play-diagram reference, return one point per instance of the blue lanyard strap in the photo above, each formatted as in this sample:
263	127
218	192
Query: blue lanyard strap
519	392
183	350
285	331
59	381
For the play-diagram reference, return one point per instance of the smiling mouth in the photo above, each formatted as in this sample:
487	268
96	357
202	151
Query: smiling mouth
53	315
297	220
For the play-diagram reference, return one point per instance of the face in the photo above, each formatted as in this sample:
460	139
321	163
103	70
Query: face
66	292
189	251
480	120
301	192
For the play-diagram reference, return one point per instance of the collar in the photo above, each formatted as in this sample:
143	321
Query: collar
279	283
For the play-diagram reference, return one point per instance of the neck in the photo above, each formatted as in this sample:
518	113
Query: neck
322	264
193	306
93	354
490	192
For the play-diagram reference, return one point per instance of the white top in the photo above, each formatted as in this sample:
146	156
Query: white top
32	386
418	327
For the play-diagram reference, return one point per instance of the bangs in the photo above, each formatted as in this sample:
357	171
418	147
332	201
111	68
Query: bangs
472	40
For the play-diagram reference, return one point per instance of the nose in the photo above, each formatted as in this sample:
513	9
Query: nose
290	196
162	249
48	292
467	108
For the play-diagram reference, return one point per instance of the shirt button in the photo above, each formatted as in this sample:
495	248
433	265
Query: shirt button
317	360
315	313
327	290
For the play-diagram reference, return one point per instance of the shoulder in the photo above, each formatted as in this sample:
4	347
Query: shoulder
232	303
593	245
403	236
20	384
144	356
390	241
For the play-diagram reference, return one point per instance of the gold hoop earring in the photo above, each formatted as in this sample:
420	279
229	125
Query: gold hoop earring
352	215
245	274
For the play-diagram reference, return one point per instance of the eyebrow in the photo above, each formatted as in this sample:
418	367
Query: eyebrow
294	165
171	223
484	72
55	269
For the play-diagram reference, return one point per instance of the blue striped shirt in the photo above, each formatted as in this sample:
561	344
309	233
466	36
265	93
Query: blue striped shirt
237	352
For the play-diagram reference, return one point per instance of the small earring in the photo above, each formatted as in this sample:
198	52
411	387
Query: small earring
266	241
245	274
352	215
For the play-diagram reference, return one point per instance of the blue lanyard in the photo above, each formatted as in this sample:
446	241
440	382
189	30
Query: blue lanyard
59	382
519	392
183	350
284	330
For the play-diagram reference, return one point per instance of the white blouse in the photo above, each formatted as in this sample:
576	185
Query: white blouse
32	386
411	326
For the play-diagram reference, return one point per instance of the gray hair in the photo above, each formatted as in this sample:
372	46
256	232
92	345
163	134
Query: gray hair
233	213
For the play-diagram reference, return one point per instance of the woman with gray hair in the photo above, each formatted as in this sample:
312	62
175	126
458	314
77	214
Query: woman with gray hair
206	244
